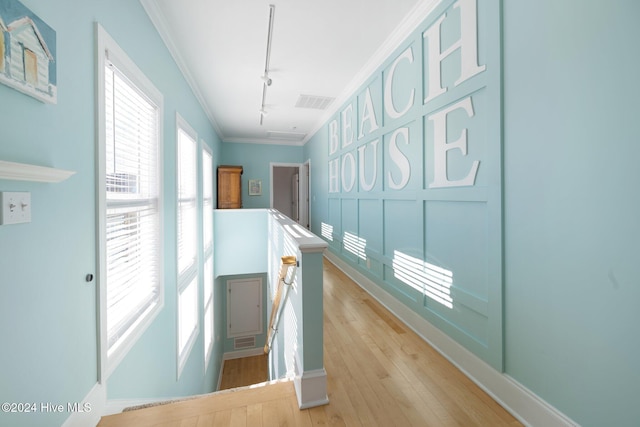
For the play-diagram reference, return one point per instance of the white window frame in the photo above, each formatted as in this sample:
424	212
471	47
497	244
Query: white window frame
207	250
188	278
107	47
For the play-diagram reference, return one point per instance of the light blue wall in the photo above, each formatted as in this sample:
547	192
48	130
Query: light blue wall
261	338
571	205
255	160
241	241
312	310
571	209
148	371
398	206
47	310
241	248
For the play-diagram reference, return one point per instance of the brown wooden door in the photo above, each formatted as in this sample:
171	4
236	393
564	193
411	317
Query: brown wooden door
229	187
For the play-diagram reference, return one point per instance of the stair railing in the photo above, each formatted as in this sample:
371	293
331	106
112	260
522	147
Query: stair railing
287	270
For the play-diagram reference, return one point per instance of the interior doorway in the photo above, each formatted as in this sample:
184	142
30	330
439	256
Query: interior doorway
290	190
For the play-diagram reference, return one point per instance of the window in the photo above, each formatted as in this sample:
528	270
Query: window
129	199
187	188
207	243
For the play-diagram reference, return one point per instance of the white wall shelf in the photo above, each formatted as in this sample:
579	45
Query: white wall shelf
26	172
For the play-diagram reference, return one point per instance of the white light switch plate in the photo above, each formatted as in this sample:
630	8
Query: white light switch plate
15	207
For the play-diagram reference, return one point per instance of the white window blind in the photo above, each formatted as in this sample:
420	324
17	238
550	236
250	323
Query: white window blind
132	225
207	227
187	198
207	200
208	308
188	314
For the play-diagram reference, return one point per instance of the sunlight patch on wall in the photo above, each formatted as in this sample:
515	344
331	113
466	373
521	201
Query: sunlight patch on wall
298	231
433	281
326	231
355	245
290	338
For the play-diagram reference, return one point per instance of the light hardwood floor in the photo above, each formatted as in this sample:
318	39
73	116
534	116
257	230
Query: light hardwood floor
244	372
379	373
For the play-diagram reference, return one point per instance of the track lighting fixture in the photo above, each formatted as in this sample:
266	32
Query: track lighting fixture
265	77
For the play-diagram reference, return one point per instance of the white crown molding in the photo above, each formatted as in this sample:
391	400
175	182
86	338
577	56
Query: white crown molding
419	12
408	25
158	20
264	141
26	172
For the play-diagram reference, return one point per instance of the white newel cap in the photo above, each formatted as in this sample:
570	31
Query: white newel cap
307	241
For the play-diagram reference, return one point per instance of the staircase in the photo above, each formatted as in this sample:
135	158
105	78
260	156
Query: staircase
252	405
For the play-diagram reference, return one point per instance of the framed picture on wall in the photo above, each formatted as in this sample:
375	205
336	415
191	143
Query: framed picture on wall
27	52
255	187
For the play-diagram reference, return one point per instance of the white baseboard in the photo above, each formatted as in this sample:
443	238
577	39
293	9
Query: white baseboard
243	353
90	410
310	386
522	403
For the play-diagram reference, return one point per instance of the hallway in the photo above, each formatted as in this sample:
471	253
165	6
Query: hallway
380	373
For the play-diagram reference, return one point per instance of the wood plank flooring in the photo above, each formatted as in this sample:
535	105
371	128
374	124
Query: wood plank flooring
379	373
244	372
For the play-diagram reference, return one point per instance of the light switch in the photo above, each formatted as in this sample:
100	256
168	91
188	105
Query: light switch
16	207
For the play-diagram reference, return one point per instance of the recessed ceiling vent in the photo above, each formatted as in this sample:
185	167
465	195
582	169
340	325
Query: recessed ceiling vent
315	102
286	136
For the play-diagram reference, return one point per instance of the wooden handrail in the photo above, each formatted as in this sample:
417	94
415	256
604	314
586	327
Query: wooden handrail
287	262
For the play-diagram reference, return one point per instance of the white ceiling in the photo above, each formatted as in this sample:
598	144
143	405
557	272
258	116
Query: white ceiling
321	48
